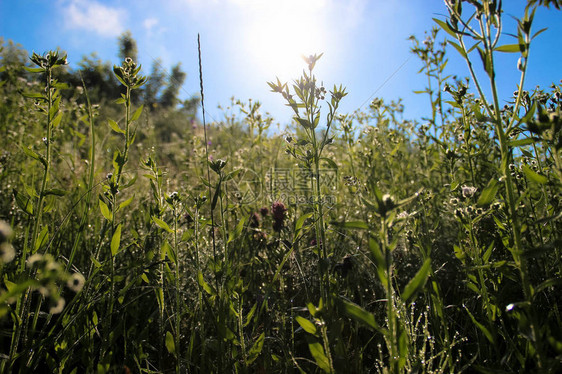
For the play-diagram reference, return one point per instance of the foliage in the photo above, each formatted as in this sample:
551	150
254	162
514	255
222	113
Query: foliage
133	239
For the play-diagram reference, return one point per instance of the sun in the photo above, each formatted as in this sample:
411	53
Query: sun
279	33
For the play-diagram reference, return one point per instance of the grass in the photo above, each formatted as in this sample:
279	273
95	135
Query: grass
134	240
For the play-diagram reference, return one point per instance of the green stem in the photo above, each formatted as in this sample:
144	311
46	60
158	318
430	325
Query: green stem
25	300
177	292
518	251
390	312
90	186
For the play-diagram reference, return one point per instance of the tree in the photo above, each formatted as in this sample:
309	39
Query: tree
169	97
154	85
127	46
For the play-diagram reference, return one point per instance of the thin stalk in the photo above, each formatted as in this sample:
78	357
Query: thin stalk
467	144
207	151
518	251
90	186
390	312
24	302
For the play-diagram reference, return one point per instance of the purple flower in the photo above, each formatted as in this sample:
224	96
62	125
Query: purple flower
278	211
255	220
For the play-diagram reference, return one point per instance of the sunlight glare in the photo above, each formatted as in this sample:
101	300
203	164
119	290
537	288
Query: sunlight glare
279	33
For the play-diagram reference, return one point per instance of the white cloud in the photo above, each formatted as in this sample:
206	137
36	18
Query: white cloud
93	16
149	23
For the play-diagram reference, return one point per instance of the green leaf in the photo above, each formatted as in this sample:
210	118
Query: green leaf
163	225
170	345
351	225
306	325
95	262
256	349
105	210
216	196
360	315
137	113
458	48
330	162
31	153
304	123
380	260
55	192
459	253
237	230
33	70
126	202
23	202
317	351
204	284
42	239
403	346
160	298
301	220
417	282
445	27
250	314
115	126
116	240
548	283
538	33
509	48
489	193
167	248
482	328
535	177
33	95
521	142
488	252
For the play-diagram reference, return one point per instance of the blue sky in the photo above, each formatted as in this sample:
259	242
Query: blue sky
246	43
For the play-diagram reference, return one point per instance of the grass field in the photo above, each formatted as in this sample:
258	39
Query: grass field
138	238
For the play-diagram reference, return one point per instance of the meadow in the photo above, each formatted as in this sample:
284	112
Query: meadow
136	237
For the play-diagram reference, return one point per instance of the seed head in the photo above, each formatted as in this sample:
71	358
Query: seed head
76	282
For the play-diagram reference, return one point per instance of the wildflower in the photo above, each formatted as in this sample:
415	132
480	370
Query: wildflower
278	211
52	268
468	191
454	201
7	253
34	259
57	306
255	220
459	213
403	215
264	211
6	231
75	282
387	204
